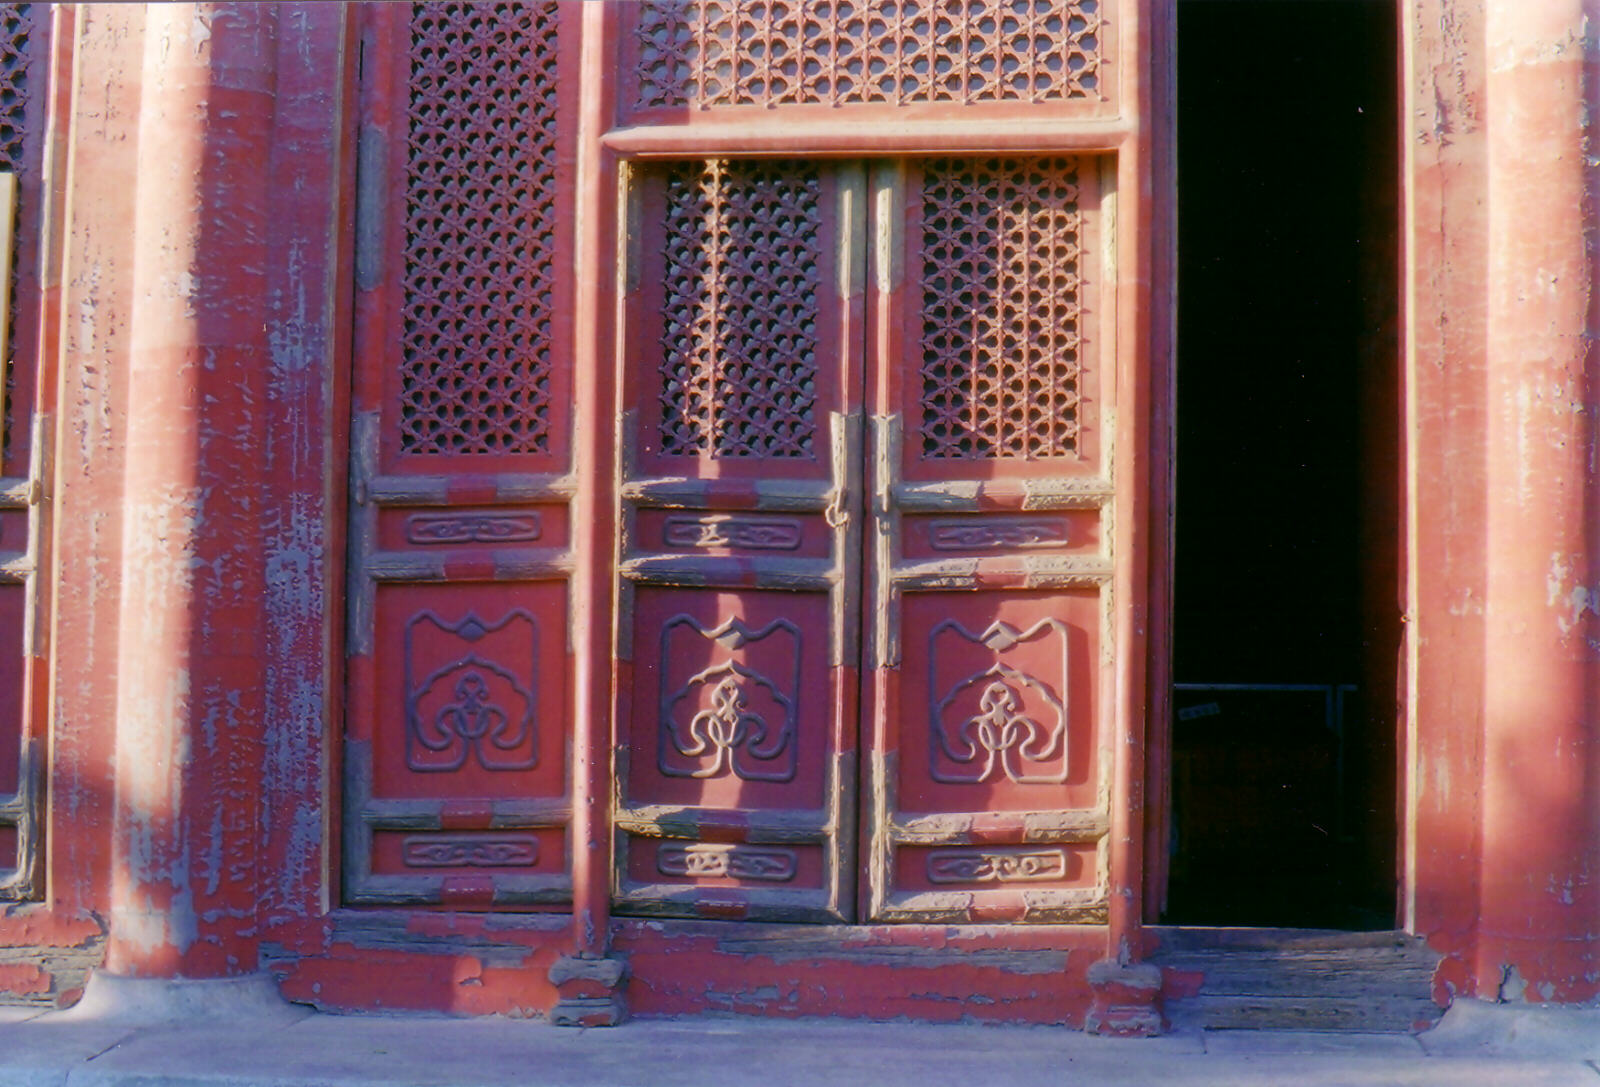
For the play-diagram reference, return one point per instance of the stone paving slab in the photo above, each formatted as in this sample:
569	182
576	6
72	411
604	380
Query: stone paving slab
1256	1043
413	1051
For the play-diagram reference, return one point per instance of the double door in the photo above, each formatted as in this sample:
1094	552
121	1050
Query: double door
864	629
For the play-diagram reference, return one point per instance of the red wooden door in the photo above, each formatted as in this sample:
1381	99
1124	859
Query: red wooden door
981	489
739	599
868	663
457	784
989	588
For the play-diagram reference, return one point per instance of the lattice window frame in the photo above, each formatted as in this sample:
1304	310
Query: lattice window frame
900	56
479	308
740	336
1002	314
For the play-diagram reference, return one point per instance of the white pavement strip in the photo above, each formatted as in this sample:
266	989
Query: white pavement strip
362	1051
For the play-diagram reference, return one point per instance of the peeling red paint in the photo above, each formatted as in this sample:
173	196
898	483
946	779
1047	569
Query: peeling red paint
1501	822
23	979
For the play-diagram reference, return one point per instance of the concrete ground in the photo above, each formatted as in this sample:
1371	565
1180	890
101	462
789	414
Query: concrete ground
1476	1044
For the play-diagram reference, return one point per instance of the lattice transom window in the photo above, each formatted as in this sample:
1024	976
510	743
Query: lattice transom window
710	53
480	224
1001	256
740	309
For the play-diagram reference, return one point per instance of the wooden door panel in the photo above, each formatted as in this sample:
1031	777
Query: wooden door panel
737	675
459	641
27	85
990	577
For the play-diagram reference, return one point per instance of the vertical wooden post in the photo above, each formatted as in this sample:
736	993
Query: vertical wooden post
1127	991
590	984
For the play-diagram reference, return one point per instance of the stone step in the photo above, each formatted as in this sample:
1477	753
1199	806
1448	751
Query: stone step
1297	979
1385	1015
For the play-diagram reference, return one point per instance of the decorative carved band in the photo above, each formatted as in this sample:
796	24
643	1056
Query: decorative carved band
469	851
748	533
451	528
995	533
704	859
996	865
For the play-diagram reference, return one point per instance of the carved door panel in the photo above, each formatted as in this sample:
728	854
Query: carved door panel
459	639
738	564
987	722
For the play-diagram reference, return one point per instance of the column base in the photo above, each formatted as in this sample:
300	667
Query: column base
111	998
591	992
1127	999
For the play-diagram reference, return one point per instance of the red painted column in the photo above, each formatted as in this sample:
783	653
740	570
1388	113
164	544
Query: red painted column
190	692
1539	913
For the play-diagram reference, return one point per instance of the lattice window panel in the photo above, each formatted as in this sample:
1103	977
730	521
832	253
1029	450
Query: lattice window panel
480	228
708	53
1001	287
740	315
15	28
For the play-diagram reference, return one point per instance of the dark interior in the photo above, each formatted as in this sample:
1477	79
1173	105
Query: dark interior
1286	599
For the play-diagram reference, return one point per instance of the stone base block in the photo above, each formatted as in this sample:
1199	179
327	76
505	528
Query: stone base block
183	1001
1127	1000
591	992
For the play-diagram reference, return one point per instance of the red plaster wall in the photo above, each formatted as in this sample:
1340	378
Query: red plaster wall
1502	812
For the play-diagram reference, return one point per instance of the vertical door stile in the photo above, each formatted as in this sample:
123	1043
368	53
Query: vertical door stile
593	505
880	614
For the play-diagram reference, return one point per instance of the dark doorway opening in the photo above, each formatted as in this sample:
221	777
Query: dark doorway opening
1287	615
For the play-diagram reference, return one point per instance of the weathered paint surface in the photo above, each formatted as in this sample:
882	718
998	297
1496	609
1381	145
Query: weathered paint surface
877	972
198	505
1503	825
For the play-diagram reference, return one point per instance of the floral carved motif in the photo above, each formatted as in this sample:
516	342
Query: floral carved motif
1003	721
470	707
728	717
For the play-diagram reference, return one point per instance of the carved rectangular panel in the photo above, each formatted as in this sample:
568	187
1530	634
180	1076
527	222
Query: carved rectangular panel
738	589
25	450
989	581
460	665
895	56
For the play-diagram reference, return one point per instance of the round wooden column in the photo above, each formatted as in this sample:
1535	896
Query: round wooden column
190	689
1539	912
